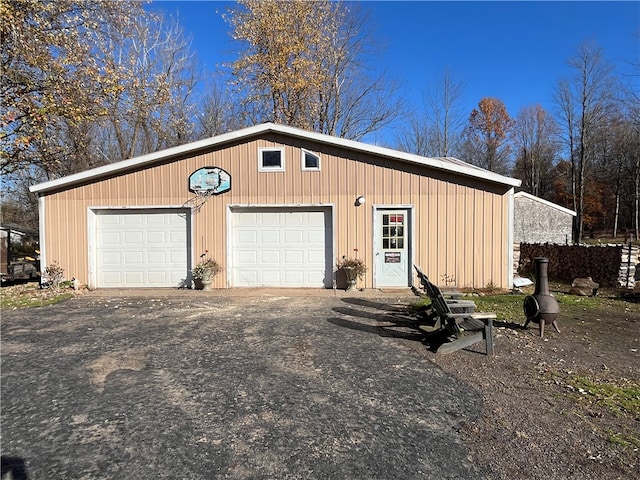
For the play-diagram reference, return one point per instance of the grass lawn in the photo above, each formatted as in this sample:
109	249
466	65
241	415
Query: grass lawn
26	295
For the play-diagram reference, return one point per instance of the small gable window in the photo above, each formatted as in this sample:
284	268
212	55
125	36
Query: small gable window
271	160
310	160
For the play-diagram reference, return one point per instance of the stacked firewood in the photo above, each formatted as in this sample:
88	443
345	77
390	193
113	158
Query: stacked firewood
568	262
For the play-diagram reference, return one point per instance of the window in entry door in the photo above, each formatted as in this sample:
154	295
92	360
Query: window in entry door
393	231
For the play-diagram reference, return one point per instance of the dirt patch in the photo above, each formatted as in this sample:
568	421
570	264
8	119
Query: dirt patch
549	404
105	365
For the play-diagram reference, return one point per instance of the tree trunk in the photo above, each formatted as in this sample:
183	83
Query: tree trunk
617	212
636	195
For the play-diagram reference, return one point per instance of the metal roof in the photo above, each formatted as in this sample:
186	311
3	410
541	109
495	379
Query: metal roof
448	164
544	202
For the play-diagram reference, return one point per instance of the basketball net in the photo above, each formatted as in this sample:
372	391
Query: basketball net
196	202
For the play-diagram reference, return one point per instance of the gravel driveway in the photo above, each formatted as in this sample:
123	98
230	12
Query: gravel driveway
223	386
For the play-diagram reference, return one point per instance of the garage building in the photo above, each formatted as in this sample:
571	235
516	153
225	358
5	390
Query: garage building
539	221
277	206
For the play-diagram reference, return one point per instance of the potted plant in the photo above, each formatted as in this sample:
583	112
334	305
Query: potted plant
205	270
353	269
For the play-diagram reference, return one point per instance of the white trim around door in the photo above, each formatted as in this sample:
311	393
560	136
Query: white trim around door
279	246
393	245
139	247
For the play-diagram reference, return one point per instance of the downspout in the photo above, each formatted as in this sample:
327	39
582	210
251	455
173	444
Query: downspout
41	236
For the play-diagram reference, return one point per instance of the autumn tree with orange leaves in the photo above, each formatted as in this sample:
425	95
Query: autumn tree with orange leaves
51	73
486	136
85	83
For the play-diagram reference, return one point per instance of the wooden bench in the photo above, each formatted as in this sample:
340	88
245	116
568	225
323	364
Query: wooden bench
457	318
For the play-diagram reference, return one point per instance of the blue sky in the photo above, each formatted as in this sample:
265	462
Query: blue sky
515	51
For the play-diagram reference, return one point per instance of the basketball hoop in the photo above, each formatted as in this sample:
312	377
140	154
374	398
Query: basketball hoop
206	182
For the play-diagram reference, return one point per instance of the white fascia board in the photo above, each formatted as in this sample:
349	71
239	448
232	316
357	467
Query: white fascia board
150	158
443	163
544	202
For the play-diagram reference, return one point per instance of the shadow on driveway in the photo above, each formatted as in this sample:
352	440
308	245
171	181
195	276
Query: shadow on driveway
216	387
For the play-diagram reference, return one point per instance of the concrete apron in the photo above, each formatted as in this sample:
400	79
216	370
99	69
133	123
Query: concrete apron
249	292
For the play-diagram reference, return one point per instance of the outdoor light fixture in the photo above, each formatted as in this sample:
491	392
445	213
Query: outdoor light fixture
360	200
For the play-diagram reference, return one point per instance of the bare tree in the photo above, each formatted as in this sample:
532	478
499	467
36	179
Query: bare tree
353	103
534	136
631	100
416	137
444	113
436	131
625	160
583	103
150	108
216	114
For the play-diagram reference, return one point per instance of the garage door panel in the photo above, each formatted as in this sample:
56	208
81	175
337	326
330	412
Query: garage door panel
157	278
246	237
295	257
160	220
248	277
178	256
316	221
294	236
110	238
294	218
270	277
133	258
111	220
133	238
142	249
176	278
247	257
134	278
315	237
315	258
157	258
177	239
132	219
112	278
267	218
270	257
110	258
316	276
157	238
281	248
270	236
294	277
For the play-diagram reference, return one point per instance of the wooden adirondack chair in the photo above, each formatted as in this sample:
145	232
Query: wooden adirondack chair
458	318
452	297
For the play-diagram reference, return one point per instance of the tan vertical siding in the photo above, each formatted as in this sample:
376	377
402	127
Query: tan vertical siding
460	224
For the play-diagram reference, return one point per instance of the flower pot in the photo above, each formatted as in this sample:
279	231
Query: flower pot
206	283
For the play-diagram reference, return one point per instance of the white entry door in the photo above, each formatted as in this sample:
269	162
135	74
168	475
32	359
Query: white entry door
392	248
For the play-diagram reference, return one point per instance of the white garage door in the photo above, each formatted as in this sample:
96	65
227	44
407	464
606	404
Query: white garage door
282	248
141	248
